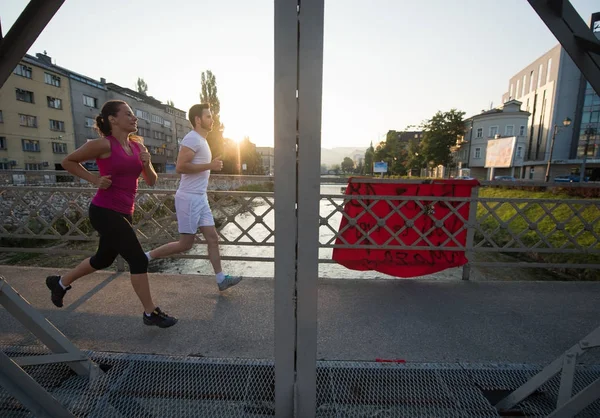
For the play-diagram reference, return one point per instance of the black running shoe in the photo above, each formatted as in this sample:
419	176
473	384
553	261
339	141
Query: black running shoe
57	292
160	319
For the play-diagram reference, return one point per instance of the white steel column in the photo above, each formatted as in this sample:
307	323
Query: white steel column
286	225
310	87
298	92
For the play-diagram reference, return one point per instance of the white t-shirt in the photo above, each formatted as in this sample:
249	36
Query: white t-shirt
198	182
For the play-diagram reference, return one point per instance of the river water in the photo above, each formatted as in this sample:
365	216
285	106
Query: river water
259	233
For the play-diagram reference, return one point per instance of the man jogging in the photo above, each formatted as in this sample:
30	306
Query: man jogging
195	163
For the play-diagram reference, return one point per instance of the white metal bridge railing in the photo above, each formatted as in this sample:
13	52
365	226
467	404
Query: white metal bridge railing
553	232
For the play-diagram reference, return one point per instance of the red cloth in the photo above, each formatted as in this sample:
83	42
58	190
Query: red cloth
404	263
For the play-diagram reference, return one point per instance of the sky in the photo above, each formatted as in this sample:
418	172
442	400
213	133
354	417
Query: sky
388	64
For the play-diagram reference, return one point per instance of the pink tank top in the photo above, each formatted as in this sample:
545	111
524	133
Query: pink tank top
124	171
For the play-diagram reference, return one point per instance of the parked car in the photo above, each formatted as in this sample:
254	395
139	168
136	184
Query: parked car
464	178
504	178
571	178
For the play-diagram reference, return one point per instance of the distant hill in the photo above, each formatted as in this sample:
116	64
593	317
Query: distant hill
332	156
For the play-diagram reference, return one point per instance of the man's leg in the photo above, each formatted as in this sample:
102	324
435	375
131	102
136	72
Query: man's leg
185	243
187	211
212	239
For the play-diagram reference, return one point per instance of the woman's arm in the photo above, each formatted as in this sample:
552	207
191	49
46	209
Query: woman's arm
148	172
89	151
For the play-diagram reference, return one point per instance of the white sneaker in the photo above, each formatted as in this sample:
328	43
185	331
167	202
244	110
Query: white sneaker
229	281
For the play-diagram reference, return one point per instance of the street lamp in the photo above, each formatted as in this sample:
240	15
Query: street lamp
566	123
588	132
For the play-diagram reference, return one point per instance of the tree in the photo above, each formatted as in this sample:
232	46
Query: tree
215	139
336	169
142	87
347	165
415	159
440	134
369	156
170	103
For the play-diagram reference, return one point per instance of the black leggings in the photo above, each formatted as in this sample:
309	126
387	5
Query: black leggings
116	237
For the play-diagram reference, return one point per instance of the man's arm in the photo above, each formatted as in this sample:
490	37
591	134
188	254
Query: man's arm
185	165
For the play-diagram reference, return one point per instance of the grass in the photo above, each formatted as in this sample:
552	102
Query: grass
561	225
267	186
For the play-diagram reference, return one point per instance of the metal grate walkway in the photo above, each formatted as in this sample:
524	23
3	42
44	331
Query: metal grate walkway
158	386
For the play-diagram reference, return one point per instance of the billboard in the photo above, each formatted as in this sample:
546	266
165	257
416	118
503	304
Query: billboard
500	152
380	167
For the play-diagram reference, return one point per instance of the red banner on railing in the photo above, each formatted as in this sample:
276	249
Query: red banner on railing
417	223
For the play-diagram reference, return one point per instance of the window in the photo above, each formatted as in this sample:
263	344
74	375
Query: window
30	145
168	125
479	133
531	82
33	166
54	103
2	142
28	120
24	95
548	70
540	69
59	148
169	138
477	152
90	101
51	79
142	114
517	91
158	119
89	122
158	135
509	130
493	131
1	117
57	125
23	71
522	130
519	151
143	131
4	166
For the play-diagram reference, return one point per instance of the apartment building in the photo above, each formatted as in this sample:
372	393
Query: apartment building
36	122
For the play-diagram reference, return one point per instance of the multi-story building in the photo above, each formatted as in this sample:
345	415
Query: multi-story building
586	128
508	121
553	89
267	155
47	111
181	127
36	122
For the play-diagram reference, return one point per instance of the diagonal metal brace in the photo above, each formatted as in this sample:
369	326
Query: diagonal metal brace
565	364
47	333
574	35
24	32
27	391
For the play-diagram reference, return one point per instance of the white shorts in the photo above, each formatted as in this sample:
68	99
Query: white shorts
193	211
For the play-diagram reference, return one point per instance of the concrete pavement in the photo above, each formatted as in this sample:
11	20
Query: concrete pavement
414	320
